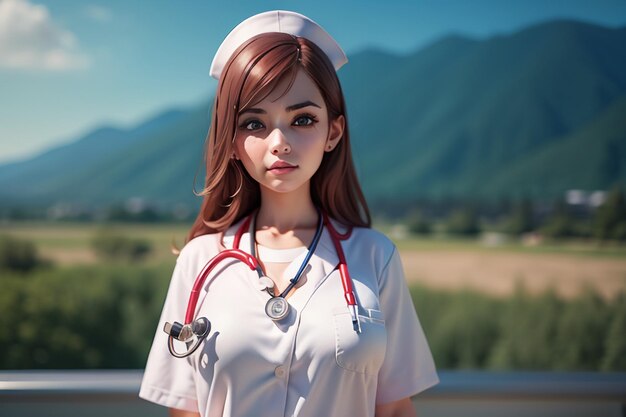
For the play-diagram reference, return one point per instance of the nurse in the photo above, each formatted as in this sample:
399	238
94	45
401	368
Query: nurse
277	160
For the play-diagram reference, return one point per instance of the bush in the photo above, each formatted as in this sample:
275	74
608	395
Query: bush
465	332
614	358
582	332
80	317
527	332
112	246
468	330
18	254
105	317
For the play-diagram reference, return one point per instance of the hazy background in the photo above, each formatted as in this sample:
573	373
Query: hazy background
489	137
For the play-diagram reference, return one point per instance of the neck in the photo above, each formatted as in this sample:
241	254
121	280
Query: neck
287	211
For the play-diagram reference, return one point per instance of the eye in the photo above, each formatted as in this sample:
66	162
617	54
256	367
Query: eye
251	125
305	120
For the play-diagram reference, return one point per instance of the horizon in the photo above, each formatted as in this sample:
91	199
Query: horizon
90	84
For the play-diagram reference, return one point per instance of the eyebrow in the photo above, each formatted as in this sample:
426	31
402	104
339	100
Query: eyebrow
291	108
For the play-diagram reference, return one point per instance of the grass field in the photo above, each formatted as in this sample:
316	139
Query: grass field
441	263
70	243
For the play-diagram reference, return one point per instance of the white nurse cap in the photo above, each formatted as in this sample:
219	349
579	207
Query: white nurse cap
277	21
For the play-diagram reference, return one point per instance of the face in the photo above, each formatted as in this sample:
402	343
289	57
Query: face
281	140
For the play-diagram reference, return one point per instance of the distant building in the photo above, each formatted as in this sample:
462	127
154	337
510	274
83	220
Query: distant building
589	199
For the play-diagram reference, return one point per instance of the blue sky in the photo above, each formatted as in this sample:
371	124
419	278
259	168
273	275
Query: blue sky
67	67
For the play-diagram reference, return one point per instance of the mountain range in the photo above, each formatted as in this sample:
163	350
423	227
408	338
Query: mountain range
528	114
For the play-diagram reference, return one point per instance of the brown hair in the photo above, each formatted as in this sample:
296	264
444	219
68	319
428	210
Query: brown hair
250	75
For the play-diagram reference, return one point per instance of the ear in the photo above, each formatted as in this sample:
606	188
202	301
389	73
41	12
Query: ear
335	132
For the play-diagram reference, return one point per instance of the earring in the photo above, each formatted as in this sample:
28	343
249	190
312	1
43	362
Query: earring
329	147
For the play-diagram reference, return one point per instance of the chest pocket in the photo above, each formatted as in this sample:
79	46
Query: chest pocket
364	352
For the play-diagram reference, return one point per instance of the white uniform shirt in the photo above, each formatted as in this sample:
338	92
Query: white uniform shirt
311	363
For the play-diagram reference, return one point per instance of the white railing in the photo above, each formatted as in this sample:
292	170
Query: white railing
460	393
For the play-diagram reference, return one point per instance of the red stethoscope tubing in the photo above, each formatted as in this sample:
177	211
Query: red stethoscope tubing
252	262
346	279
227	253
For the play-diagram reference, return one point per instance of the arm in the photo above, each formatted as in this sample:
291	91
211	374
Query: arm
175	412
169	381
400	408
408	367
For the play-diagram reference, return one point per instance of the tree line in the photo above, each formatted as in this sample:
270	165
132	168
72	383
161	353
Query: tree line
558	221
462	217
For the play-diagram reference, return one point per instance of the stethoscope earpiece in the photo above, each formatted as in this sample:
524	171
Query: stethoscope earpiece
199	328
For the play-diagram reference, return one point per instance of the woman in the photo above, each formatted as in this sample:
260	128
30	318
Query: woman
309	334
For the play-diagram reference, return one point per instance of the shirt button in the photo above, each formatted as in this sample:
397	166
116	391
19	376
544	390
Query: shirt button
279	371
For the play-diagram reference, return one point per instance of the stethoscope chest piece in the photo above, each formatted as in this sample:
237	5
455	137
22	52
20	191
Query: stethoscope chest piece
277	308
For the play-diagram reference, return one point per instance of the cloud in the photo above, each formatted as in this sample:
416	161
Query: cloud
29	39
98	13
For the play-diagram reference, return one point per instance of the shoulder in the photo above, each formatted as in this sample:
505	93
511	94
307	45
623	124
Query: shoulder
372	237
200	247
370	244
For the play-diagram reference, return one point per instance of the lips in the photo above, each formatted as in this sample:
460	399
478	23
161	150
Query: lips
281	165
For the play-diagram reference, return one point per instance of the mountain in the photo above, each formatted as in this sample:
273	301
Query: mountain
111	165
532	113
459	113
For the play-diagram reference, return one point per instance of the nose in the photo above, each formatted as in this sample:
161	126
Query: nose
279	144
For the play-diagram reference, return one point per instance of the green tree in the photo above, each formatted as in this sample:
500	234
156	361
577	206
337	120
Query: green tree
560	223
521	218
418	224
463	222
610	218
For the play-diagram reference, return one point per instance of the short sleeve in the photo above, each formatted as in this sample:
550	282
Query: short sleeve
408	367
167	380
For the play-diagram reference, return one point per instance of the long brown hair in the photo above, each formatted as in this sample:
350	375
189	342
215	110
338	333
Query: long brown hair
249	76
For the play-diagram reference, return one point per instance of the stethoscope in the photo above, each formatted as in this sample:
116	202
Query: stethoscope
277	306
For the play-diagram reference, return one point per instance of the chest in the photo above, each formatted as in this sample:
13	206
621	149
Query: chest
317	335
